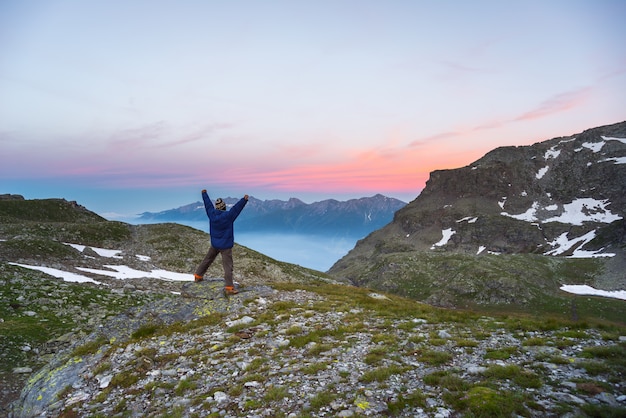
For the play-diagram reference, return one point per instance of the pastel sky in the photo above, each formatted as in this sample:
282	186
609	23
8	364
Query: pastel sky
132	106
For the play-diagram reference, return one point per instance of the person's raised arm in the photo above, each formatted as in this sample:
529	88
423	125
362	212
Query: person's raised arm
208	205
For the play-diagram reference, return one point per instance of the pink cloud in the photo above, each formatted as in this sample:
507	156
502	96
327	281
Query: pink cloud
557	104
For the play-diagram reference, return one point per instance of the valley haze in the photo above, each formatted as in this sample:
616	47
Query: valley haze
313	235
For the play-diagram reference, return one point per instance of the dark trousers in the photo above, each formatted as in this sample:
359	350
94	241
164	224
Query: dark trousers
227	263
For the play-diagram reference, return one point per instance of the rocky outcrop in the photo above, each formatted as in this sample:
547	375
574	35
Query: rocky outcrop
564	198
323	352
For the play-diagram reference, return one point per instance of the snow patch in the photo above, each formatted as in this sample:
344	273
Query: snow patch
65	275
616	160
575	213
447	234
542	172
611	138
78	247
564	244
125	272
588	290
469	219
585	210
594	146
102	252
528	216
552	153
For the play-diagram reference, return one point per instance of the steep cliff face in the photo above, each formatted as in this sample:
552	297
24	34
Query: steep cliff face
564	197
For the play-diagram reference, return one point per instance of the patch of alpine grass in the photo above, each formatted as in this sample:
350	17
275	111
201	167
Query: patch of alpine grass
257	365
314	368
146	330
466	343
522	378
275	393
91	347
375	355
434	357
534	341
603	411
381	374
294	330
503	353
411	400
322	399
316	349
447	380
486	402
573	333
593	367
185	385
124	379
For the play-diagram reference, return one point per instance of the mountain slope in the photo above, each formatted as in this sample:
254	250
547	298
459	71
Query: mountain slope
292	343
111	267
563	199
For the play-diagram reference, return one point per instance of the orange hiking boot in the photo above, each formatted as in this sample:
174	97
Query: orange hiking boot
197	278
230	290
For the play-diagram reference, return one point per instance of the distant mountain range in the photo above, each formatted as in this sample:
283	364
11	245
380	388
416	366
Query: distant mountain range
354	217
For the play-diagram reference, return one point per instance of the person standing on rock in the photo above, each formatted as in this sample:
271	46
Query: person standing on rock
222	239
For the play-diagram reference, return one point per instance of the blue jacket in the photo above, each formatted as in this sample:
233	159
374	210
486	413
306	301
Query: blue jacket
221	222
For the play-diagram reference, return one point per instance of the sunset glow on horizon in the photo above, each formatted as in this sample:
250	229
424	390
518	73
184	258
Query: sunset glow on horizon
136	106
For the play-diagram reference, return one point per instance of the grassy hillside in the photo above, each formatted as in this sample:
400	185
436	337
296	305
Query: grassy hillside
521	283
